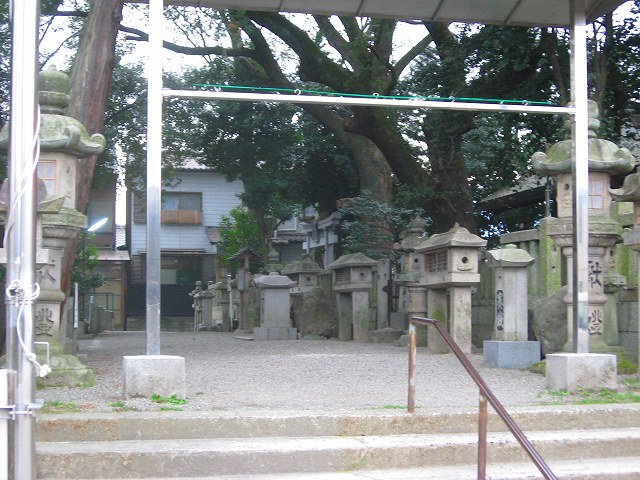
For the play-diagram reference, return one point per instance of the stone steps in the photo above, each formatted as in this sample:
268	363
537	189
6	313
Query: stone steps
308	446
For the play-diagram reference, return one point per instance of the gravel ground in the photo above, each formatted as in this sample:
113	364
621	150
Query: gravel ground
227	373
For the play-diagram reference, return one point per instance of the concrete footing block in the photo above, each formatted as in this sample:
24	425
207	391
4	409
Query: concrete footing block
571	371
145	375
510	354
275	333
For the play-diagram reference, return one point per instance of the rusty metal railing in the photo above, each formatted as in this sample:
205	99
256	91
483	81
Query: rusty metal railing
485	395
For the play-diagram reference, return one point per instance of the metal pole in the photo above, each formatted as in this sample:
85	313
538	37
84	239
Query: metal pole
580	177
21	231
482	437
369	102
154	174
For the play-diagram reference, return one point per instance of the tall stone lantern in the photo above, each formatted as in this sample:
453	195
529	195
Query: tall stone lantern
630	192
605	159
451	269
412	290
63	141
353	280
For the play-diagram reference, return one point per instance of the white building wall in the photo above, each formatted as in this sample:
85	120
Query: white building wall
218	198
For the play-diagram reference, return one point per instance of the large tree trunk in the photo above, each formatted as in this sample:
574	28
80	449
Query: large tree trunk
90	83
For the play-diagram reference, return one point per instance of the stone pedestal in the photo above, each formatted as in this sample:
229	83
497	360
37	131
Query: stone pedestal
146	375
571	371
437	301
510	354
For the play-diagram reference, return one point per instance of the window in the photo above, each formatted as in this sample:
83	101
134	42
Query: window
176	208
180	270
182	208
596	194
47	173
436	261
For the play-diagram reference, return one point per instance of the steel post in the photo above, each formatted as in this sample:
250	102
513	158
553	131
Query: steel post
20	231
580	177
154	174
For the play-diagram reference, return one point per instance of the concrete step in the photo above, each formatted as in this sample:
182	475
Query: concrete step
198	424
279	455
579	441
616	469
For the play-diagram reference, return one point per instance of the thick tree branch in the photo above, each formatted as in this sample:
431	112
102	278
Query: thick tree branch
140	36
314	64
351	28
335	39
408	57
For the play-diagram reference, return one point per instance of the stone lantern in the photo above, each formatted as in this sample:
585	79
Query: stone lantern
63	141
304	272
451	268
511	347
605	159
275	306
412	295
630	192
353	280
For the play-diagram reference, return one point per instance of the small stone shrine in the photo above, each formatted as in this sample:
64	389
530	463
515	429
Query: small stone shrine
353	280
304	272
451	270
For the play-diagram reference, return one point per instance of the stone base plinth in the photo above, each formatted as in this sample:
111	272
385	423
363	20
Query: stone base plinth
571	371
510	354
146	375
275	333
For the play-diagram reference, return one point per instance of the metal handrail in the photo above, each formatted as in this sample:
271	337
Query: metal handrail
485	394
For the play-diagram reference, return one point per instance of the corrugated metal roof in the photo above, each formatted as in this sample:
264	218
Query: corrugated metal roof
509	12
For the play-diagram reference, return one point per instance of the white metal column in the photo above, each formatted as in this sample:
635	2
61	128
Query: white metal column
20	234
580	177
154	174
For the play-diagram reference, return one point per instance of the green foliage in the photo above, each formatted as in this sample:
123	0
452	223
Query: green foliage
238	229
371	226
172	400
56	406
84	265
626	367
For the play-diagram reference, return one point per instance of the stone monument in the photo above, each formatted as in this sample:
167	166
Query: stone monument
511	347
275	305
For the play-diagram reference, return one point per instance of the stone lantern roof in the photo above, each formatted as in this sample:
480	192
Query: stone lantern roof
457	236
604	156
509	256
58	132
412	236
352	260
305	264
629	191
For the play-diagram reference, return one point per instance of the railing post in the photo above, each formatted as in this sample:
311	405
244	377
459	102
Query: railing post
482	437
411	405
